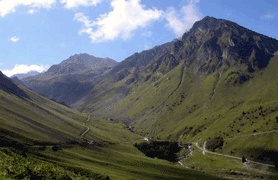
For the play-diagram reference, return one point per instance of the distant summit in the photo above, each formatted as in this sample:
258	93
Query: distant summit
81	63
17	81
67	81
22	75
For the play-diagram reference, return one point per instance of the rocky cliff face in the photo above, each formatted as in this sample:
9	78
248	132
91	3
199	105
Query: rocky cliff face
213	43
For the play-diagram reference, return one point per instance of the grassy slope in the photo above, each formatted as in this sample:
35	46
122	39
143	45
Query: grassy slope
40	119
192	106
120	161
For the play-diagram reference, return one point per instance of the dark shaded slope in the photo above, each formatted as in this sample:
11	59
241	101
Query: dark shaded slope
17	81
8	86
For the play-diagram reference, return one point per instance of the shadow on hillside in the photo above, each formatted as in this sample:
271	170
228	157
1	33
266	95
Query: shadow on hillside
8	86
262	155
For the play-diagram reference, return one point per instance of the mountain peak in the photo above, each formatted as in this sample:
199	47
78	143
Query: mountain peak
81	62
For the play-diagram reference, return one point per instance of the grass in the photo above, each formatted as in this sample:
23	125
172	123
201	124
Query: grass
119	161
191	107
38	121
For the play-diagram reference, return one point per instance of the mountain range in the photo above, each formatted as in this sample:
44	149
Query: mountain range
215	85
21	76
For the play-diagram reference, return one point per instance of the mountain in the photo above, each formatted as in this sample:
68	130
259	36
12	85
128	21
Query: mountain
81	63
17	81
218	80
216	87
10	87
41	139
68	81
21	76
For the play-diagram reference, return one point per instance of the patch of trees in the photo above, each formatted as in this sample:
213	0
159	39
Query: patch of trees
159	149
215	143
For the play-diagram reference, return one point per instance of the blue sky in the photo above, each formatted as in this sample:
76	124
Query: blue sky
36	34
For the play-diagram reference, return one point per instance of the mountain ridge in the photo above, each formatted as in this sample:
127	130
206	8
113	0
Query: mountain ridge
23	75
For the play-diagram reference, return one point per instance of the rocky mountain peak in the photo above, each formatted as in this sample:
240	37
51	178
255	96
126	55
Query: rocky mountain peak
81	62
212	41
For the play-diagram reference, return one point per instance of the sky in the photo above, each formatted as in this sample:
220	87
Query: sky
36	34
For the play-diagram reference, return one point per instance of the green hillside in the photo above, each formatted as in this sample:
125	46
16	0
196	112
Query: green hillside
30	128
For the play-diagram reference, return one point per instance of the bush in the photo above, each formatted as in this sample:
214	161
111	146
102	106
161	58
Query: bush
215	143
159	149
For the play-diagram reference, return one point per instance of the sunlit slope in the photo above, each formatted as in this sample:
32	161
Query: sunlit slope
38	119
120	161
204	105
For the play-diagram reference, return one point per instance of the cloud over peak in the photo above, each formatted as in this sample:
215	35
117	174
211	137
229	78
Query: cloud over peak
23	69
182	21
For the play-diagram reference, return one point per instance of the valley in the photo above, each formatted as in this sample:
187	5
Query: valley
191	108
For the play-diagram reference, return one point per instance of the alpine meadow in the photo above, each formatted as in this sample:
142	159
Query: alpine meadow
202	106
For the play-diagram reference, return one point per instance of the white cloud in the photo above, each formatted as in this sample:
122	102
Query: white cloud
32	11
147	33
9	6
14	39
182	21
268	16
122	21
1	64
75	3
23	68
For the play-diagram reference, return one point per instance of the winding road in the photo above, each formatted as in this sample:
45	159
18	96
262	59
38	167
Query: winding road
83	134
204	150
253	134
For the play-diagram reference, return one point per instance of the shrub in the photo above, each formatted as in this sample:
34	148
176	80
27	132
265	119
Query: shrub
159	149
215	143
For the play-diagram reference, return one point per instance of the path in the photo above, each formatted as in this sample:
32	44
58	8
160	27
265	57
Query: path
196	144
87	130
253	134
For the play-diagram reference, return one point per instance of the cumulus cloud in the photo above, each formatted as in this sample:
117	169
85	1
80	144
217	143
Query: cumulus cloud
182	21
122	21
75	3
267	16
14	39
9	6
23	69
